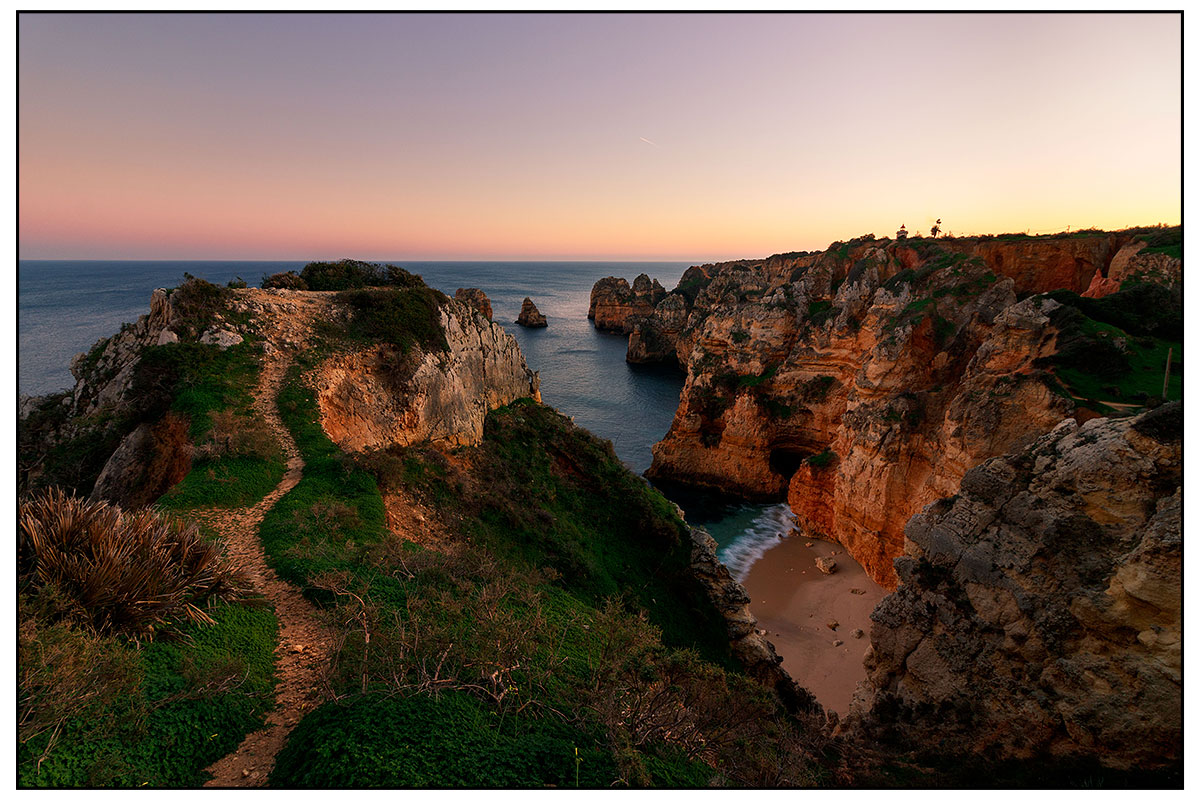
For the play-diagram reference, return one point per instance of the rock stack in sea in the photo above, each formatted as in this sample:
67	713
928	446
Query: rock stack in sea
530	317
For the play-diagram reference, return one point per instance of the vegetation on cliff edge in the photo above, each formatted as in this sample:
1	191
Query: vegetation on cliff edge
562	617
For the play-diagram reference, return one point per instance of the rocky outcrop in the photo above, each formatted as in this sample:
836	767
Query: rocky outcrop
148	462
1039	613
654	339
1130	263
476	299
104	375
750	647
615	306
861	384
530	317
369	397
377	398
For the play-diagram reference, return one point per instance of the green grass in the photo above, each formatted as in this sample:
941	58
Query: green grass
559	532
195	379
297	542
179	723
1114	350
1147	359
227	482
450	740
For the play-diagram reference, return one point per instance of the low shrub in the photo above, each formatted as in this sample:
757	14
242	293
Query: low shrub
1143	309
285	280
65	673
449	740
233	434
816	389
195	304
821	311
1166	240
115	715
822	459
401	317
337	276
120	572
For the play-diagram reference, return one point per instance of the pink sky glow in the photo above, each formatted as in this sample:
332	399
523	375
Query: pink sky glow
584	136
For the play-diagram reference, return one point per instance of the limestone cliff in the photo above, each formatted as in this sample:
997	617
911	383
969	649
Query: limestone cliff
476	299
1039	610
374	397
370	394
615	306
863	382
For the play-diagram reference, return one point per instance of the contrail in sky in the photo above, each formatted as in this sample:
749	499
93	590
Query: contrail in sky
647	141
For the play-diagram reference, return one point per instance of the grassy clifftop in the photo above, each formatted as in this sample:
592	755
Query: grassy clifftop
557	640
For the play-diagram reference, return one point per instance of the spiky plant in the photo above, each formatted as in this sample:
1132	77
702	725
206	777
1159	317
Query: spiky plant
119	572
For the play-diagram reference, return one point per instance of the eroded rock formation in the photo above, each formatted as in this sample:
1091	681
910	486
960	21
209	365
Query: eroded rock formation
377	397
1039	610
476	299
863	382
148	462
615	306
530	317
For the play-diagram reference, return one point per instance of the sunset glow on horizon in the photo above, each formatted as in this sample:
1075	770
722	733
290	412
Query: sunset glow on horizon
584	137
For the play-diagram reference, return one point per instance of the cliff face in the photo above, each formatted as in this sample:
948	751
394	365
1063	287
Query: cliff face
376	398
614	305
1132	263
476	299
369	396
1039	613
860	384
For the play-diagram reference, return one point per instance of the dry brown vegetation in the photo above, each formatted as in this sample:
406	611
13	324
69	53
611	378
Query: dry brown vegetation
130	573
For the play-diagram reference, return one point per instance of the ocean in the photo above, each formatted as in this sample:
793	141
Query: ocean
64	307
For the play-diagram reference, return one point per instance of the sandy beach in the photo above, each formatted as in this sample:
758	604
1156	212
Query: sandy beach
796	604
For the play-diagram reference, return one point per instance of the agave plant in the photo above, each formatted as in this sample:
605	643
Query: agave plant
121	572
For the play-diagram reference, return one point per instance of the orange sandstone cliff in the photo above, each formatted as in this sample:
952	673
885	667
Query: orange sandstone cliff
863	382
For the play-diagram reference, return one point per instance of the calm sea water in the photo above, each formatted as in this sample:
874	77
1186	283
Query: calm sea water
64	307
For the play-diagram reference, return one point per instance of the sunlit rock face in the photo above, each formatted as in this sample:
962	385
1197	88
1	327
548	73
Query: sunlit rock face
615	306
863	382
1039	609
476	299
376	397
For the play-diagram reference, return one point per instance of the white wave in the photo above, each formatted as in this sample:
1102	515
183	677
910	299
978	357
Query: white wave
760	535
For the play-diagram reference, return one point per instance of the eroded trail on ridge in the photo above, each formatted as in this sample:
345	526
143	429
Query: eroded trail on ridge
305	642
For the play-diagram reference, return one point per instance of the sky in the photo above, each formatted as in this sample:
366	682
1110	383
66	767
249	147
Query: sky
584	137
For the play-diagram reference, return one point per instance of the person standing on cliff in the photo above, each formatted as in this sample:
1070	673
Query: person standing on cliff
936	229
